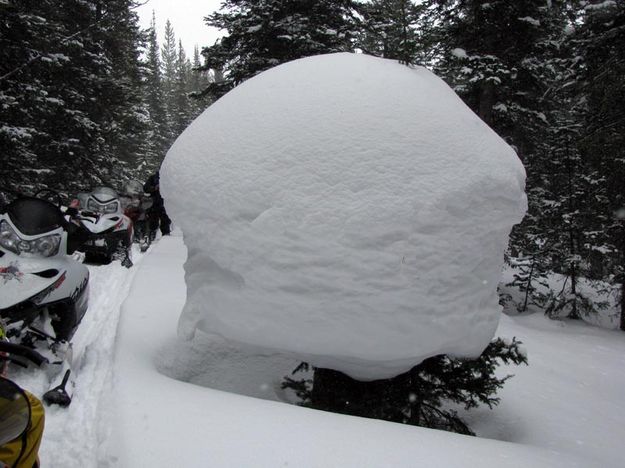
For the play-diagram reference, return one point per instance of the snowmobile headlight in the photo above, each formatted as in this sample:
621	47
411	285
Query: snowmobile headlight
8	238
24	246
110	208
94	206
47	245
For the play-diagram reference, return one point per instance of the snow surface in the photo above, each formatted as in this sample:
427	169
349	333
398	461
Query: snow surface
563	410
347	210
459	53
600	6
72	435
530	20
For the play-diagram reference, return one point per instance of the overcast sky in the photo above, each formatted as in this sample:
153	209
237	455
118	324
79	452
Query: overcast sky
187	19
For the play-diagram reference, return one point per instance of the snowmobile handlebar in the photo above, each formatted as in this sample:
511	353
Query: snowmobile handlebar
18	354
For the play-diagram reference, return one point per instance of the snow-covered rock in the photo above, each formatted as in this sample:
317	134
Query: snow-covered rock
347	210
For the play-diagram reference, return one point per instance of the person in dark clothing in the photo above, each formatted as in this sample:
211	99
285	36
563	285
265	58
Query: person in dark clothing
157	215
77	234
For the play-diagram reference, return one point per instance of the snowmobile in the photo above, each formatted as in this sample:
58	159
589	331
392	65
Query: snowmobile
136	205
44	291
112	231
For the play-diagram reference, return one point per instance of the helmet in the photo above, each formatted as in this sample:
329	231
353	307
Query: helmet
133	187
14	411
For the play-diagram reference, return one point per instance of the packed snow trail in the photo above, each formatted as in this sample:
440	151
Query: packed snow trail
72	434
157	421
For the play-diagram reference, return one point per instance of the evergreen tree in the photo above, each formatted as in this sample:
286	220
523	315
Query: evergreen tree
198	82
419	397
169	57
514	65
126	114
490	54
265	33
602	142
565	189
181	106
390	29
68	88
530	277
557	176
157	141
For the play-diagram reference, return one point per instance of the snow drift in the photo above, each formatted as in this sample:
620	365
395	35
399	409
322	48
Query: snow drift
346	209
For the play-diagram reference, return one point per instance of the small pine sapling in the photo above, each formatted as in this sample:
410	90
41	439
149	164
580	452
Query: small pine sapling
423	396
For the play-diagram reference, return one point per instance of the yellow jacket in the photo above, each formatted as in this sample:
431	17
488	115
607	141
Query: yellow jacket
23	451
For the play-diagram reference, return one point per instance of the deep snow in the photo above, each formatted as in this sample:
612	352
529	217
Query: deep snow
345	209
563	410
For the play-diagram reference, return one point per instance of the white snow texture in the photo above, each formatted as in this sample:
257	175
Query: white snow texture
347	210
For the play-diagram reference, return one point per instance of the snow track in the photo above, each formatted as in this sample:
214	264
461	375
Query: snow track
72	434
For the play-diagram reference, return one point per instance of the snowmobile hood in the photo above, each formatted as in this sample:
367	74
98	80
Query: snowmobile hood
22	279
100	224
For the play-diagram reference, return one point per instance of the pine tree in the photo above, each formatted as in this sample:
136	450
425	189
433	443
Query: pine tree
419	397
169	57
39	48
602	142
181	106
198	82
68	89
390	29
566	190
266	33
127	116
557	177
157	141
514	65
490	54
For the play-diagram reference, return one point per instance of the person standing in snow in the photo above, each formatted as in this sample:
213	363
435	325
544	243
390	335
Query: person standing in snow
158	215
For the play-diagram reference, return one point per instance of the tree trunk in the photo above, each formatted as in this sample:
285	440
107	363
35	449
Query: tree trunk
573	273
623	278
572	247
334	391
529	285
404	55
487	102
623	304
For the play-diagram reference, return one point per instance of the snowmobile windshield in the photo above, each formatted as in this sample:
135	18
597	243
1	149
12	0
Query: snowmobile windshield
14	411
33	216
104	195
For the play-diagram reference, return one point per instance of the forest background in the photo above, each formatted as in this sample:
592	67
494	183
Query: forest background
89	98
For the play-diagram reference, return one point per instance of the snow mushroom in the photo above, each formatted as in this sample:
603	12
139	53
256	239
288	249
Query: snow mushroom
347	210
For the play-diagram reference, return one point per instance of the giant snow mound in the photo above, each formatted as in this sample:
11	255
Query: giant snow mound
346	209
